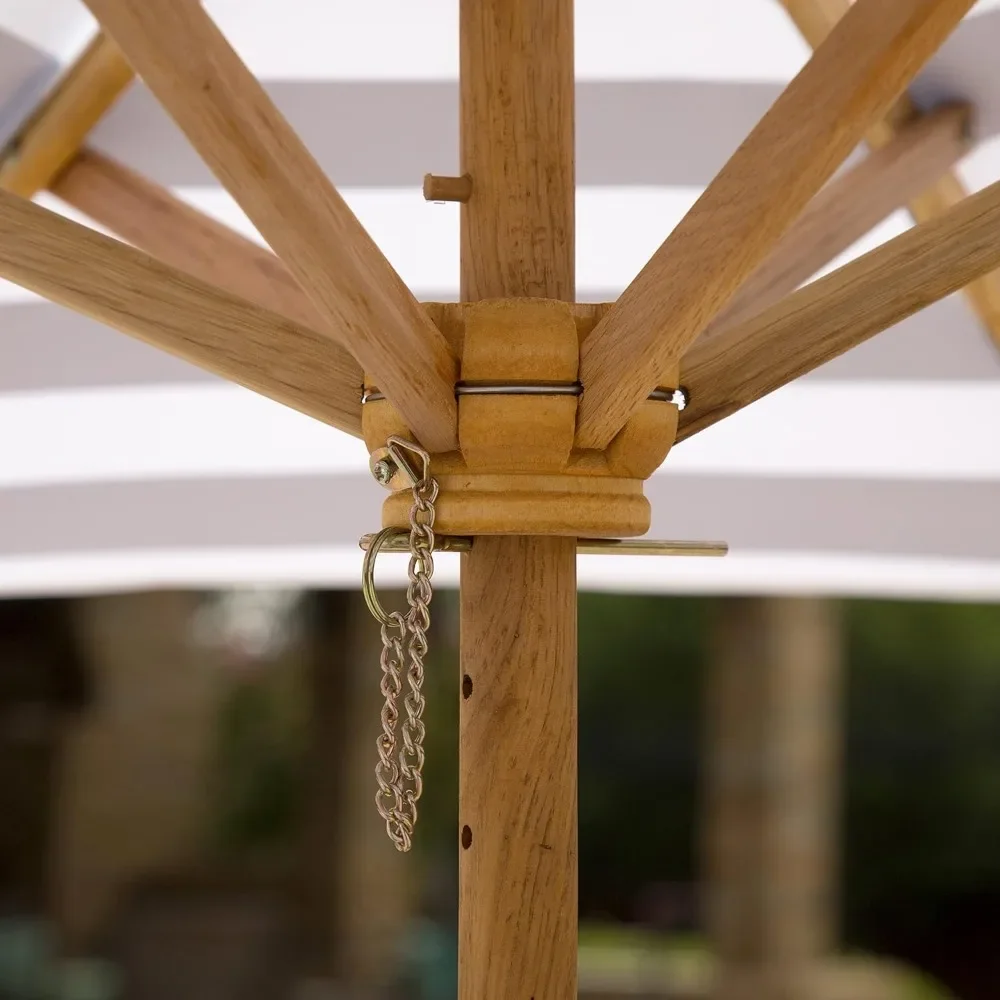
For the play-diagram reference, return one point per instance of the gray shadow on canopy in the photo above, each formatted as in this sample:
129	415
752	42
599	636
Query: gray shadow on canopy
47	347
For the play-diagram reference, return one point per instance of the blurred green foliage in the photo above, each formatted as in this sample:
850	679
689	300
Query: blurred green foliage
258	774
921	710
921	797
922	803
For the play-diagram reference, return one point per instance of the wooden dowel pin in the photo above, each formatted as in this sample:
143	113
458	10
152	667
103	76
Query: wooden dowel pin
447	188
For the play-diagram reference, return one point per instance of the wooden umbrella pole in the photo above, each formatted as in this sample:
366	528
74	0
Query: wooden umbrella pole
518	742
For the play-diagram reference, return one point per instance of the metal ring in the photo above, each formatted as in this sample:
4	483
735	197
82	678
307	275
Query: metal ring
368	575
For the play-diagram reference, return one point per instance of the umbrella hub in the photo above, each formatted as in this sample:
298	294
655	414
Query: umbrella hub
517	470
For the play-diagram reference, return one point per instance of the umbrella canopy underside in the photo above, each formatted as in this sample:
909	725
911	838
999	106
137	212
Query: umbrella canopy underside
122	467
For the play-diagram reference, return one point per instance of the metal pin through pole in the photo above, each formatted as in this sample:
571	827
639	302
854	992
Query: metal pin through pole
584	546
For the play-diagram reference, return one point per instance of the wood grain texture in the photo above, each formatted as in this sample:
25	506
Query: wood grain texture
232	123
853	78
138	295
517	472
518	340
437	188
151	218
518	770
849	206
518	892
829	316
53	134
517	131
815	19
582	504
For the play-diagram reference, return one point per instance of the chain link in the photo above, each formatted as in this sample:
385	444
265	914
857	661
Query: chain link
399	771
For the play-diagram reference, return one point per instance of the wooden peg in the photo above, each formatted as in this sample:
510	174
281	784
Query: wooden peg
447	188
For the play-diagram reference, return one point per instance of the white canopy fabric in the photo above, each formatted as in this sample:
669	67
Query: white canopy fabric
121	467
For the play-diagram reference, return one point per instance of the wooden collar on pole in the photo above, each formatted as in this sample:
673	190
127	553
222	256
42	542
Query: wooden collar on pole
517	470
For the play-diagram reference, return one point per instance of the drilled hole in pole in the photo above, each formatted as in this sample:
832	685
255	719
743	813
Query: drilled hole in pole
466	687
466	838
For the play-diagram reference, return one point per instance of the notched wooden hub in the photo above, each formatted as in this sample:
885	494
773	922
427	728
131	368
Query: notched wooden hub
518	470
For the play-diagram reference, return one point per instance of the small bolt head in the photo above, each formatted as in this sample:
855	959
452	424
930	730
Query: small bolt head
383	471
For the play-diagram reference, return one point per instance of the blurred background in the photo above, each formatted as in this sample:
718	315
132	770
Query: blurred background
807	790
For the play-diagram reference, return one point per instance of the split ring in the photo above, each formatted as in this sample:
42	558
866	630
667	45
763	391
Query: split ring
368	575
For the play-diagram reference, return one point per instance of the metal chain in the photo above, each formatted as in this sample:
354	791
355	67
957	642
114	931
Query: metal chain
399	771
389	797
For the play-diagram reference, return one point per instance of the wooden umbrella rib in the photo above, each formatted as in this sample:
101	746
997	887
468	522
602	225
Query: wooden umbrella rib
849	207
53	134
838	312
138	295
225	113
856	74
815	19
153	219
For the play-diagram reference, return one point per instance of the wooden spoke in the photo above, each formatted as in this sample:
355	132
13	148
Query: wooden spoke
132	292
230	120
53	134
824	319
151	218
853	77
849	206
815	19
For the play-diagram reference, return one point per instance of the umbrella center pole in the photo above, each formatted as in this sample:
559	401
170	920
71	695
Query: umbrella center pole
525	493
518	868
520	487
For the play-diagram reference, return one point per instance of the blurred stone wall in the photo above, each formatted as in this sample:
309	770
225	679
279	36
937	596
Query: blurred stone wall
131	787
771	793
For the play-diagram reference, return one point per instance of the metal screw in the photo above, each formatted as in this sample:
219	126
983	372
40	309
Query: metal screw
384	470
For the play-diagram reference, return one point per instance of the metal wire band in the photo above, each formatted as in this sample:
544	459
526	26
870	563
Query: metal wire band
661	394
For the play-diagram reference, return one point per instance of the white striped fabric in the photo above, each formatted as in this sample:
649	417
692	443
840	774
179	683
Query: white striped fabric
121	467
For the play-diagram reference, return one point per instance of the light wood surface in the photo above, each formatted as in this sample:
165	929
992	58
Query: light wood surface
518	341
153	219
138	295
594	505
853	77
518	876
437	188
450	319
643	444
57	129
849	206
815	19
518	225
518	770
227	116
829	316
517	472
